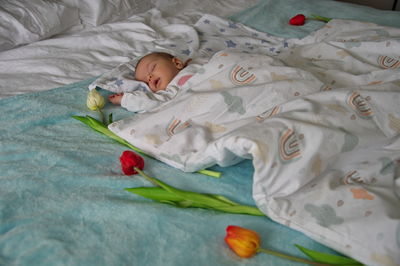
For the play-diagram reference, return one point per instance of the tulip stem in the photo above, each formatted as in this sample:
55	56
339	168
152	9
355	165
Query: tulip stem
148	178
210	173
102	119
284	256
320	18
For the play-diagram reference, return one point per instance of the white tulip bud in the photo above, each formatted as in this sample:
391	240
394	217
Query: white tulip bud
95	101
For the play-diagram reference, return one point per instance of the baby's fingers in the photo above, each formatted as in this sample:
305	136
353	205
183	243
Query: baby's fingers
115	98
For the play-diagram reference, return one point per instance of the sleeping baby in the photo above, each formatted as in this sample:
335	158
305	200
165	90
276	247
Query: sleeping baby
157	70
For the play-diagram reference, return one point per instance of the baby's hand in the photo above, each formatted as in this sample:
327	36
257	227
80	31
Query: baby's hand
116	98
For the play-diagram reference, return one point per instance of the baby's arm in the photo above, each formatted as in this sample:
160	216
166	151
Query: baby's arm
136	101
116	98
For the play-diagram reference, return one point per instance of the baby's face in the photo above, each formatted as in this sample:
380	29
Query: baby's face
157	71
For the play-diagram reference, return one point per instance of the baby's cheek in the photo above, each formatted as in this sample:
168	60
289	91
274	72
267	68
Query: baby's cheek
183	79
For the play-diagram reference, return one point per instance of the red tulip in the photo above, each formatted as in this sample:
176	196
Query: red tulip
129	160
297	20
244	242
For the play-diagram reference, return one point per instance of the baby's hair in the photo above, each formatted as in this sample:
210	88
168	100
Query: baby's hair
167	55
162	54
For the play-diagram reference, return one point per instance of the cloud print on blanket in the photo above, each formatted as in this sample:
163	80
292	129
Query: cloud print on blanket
245	91
322	130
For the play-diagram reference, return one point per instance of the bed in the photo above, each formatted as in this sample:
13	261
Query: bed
62	189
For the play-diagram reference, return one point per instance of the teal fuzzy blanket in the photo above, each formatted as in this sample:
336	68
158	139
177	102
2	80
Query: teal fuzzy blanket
63	200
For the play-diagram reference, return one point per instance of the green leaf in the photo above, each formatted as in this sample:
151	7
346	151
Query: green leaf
186	199
328	258
110	118
101	128
163	196
186	204
224	199
240	209
188	195
321	18
154	193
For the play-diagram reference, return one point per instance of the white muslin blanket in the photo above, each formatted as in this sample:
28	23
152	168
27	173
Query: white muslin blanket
320	121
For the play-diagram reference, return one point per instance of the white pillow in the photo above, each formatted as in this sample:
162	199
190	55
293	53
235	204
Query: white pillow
23	22
97	12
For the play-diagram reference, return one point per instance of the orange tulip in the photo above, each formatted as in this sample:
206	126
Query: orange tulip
244	242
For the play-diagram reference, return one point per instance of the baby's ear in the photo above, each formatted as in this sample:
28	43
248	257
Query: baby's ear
178	63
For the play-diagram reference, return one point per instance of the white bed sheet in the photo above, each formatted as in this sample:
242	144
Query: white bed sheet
86	51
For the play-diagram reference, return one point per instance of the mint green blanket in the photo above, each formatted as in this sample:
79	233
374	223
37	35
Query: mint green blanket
63	200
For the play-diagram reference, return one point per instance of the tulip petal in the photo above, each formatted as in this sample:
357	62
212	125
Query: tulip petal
130	162
297	20
244	242
95	101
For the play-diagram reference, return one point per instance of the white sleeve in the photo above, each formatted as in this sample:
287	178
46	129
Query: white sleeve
138	101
